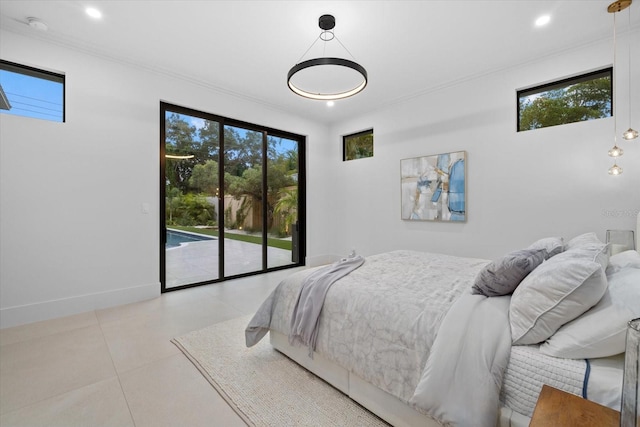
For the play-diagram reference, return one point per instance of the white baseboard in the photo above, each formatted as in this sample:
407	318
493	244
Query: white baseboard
29	313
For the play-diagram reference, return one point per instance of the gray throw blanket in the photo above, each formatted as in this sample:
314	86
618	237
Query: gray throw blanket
308	306
304	320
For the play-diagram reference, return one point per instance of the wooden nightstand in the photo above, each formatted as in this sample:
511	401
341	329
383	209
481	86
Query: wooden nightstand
556	408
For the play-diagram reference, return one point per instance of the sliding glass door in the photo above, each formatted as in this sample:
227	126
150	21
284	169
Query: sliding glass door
243	200
191	149
282	160
250	224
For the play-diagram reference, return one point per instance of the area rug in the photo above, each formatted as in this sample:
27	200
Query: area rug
265	387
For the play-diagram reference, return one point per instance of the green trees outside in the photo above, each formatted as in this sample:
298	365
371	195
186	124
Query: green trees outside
204	178
358	146
287	206
579	102
189	209
193	184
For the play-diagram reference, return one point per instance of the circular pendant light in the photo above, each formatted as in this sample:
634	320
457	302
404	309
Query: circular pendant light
327	78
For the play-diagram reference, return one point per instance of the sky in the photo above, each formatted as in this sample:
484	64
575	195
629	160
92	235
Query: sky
282	145
32	96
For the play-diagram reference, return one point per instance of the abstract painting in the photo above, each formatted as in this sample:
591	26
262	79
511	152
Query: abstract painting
434	187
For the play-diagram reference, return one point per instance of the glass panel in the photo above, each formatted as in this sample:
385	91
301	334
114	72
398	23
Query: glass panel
31	94
192	145
620	241
630	410
282	201
576	99
249	210
243	198
358	145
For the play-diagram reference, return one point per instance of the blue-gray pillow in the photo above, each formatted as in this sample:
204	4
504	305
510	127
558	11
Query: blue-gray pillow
553	245
502	276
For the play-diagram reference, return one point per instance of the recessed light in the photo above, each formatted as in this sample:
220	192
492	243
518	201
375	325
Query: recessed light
93	12
543	20
330	103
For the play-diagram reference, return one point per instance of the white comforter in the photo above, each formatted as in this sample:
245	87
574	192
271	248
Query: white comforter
380	321
461	383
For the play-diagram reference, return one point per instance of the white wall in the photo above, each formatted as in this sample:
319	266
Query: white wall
73	234
520	186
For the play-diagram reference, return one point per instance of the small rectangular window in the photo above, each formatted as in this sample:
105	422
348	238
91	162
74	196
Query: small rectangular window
576	99
358	145
30	92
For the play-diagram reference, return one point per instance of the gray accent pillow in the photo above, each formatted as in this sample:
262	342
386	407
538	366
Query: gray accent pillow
502	276
553	245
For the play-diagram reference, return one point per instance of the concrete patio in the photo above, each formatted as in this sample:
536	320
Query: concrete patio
195	262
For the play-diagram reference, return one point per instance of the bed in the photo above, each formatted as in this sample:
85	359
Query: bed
424	339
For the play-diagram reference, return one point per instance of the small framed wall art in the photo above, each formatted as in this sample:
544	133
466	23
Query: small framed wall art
434	187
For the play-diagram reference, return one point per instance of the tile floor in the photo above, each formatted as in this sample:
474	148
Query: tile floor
117	366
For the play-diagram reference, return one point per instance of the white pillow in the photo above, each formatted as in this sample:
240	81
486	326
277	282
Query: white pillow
623	260
598	252
582	239
601	331
556	292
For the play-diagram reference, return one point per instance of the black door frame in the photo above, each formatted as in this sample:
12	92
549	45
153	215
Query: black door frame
299	237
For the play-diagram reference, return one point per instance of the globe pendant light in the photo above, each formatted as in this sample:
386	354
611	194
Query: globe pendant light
327	78
615	151
615	170
630	134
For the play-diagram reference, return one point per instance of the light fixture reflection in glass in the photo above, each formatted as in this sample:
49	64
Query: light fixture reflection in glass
177	157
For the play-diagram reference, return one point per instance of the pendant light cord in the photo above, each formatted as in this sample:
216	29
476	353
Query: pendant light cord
629	55
324	48
307	51
345	48
615	85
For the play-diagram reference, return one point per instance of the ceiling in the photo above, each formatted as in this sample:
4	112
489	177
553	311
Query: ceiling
245	48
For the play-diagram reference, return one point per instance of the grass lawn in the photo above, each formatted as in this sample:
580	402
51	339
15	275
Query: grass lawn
276	243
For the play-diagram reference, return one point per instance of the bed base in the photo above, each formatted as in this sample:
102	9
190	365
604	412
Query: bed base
388	407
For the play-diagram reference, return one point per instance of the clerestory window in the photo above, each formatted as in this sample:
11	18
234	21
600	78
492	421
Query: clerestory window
31	92
584	97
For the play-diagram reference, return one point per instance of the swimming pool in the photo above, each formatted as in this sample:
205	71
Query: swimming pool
176	238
